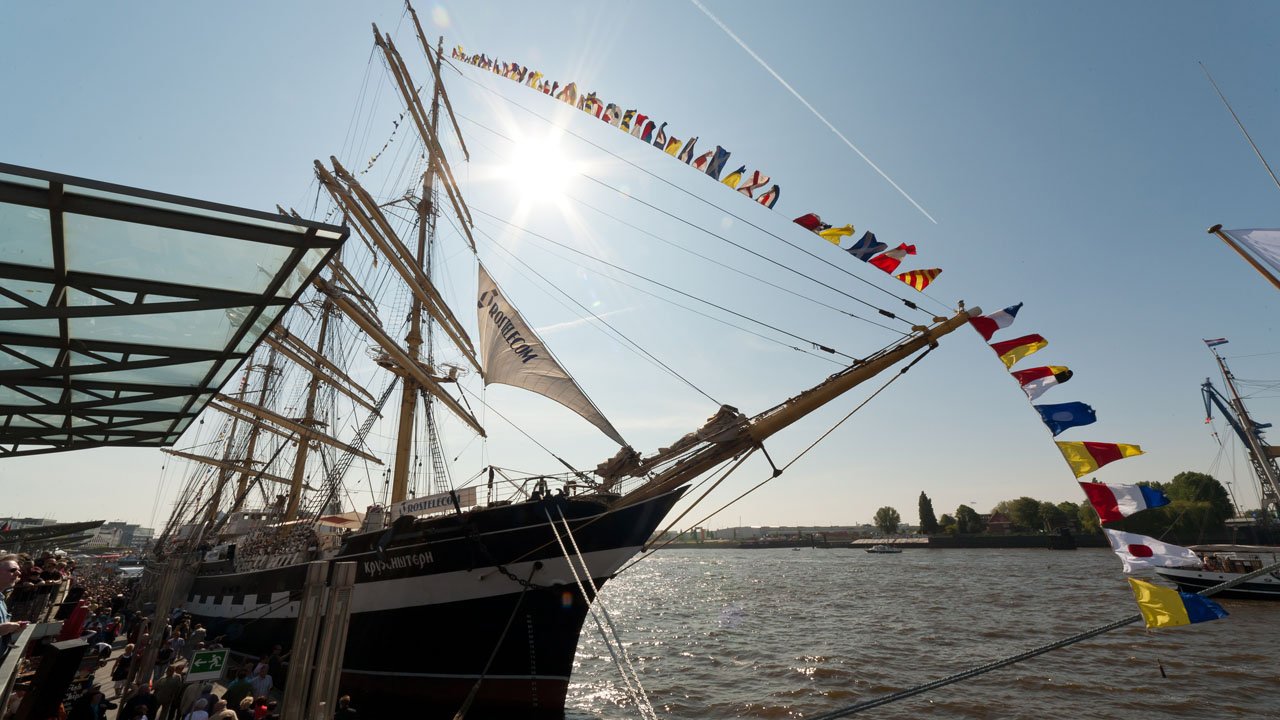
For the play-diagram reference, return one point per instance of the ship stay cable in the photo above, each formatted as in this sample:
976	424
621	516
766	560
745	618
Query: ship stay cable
775	419
731	268
670	301
628	196
905	301
777	472
677	291
521	430
598	318
636	691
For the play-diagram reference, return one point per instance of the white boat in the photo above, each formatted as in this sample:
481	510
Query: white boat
1220	563
883	549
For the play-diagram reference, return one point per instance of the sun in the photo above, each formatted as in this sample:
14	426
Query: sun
541	170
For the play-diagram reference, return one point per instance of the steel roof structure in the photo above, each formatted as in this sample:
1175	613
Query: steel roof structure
122	311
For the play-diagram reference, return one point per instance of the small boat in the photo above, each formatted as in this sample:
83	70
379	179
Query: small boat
883	549
1220	563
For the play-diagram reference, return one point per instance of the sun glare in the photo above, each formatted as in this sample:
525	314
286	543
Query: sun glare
540	170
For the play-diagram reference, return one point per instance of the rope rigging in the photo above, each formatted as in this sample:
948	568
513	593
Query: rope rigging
906	302
626	195
663	285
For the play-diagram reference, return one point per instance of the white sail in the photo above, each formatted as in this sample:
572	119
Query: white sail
1265	243
513	354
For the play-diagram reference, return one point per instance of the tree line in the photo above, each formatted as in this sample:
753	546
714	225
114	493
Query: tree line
1198	505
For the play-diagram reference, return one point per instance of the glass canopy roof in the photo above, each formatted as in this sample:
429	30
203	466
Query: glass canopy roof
122	311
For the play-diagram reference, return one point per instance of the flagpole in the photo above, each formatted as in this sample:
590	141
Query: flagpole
1217	230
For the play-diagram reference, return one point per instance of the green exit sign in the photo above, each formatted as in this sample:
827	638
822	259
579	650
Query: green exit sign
207	665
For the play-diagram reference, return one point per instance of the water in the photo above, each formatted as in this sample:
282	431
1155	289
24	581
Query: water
783	634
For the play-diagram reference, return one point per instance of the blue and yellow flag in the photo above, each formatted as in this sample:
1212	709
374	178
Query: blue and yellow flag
1163	607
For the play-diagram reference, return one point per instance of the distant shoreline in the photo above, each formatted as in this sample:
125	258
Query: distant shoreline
969	542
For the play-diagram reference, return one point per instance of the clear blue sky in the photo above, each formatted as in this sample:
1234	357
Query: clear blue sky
1072	155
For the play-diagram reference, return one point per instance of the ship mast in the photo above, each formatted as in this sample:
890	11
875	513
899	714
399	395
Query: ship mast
308	421
223	473
242	484
410	391
1262	456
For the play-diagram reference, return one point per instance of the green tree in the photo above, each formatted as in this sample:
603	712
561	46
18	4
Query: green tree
1072	511
928	523
947	524
1199	487
968	521
887	519
1024	513
1088	518
1052	516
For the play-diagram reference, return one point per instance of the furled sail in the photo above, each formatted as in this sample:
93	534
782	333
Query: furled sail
514	355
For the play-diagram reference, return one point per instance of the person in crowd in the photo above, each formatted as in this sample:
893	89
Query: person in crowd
198	711
176	644
221	712
261	681
345	711
190	694
120	671
197	635
207	695
164	658
10	574
245	709
169	693
276	662
238	689
273	711
143	700
259	707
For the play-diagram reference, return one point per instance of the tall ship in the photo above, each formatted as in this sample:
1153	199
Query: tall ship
1220	563
472	582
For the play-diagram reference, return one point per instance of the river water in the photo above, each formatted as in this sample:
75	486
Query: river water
783	634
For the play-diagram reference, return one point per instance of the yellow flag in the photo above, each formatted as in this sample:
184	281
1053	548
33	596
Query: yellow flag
833	235
673	147
732	178
1086	457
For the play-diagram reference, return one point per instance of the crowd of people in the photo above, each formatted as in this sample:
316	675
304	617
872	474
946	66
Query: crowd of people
121	638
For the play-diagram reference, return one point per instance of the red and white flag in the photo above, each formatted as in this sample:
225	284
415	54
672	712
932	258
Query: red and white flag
1139	552
987	325
754	182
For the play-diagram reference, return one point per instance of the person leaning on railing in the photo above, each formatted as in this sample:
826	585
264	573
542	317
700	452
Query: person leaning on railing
9	575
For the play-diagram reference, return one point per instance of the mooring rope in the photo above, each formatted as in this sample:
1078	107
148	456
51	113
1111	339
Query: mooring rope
608	618
635	691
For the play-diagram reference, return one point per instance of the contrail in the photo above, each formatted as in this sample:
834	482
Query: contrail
812	109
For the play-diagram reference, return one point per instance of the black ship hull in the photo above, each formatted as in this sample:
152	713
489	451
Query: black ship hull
432	599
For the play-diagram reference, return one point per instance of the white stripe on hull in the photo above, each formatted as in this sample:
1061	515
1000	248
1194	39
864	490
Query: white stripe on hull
431	589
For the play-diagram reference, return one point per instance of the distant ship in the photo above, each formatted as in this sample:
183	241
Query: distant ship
1221	563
